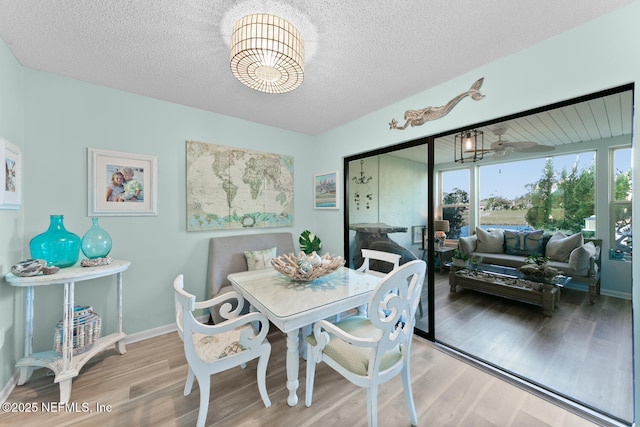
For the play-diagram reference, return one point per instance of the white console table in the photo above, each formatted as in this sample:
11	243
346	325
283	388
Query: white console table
65	365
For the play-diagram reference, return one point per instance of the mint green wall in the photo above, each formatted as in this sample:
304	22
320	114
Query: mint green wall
11	221
596	56
398	191
403	196
63	117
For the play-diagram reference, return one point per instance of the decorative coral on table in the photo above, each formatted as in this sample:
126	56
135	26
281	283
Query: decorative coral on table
539	271
307	267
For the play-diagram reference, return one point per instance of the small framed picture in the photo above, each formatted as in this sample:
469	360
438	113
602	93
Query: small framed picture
326	191
122	184
416	233
11	182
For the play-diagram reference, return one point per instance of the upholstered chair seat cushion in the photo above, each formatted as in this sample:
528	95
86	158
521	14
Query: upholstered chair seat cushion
210	348
356	359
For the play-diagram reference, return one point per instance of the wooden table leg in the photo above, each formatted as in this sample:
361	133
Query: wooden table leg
302	344
120	347
452	279
27	371
592	293
548	299
67	371
65	390
293	363
25	374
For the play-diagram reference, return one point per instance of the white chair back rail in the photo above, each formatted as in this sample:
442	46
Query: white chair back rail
372	255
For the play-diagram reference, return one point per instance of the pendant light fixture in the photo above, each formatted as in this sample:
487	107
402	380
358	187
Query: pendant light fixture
267	53
468	146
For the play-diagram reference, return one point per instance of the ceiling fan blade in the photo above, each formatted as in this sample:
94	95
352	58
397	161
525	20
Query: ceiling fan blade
537	148
502	146
486	150
520	145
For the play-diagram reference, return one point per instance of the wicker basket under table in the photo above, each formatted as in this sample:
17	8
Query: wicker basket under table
86	330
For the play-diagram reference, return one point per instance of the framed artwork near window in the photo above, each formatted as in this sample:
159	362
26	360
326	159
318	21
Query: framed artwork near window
416	233
122	184
326	191
11	181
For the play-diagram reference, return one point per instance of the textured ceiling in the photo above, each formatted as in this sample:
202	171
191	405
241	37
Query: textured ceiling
360	55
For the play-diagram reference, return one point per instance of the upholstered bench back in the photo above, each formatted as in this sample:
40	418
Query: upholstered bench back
226	255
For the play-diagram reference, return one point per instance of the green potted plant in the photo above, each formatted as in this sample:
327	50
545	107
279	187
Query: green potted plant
459	258
536	267
474	262
538	260
309	242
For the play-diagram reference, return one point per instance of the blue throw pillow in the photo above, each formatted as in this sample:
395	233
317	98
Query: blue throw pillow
523	243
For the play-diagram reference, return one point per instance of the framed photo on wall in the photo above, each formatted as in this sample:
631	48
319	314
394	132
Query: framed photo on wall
326	191
11	181
122	184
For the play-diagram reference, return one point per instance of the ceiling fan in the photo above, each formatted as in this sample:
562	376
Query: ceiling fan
502	147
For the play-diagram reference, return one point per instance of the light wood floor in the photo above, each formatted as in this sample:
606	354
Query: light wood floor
144	388
584	351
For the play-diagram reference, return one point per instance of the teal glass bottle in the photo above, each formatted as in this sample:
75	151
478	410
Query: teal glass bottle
57	245
96	243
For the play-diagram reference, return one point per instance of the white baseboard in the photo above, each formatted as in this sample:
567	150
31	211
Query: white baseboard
9	386
161	330
622	295
150	333
581	286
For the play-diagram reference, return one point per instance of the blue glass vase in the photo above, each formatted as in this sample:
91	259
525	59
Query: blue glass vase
57	246
96	243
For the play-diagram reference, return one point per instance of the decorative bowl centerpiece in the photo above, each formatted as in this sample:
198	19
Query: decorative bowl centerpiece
305	267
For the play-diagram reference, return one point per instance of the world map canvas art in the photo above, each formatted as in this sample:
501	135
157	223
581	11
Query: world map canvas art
232	188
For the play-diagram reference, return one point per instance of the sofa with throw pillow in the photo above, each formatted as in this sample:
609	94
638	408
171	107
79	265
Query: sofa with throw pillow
573	255
233	254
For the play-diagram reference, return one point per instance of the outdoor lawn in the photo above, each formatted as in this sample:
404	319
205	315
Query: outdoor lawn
503	217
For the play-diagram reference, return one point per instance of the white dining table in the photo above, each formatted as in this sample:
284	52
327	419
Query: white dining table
292	305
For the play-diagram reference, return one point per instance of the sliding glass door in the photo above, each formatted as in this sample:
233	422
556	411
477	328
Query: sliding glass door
559	171
386	195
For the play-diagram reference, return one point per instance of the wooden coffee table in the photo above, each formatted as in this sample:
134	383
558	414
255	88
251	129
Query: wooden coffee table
509	283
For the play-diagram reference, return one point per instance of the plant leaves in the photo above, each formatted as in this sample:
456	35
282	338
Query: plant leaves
309	242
